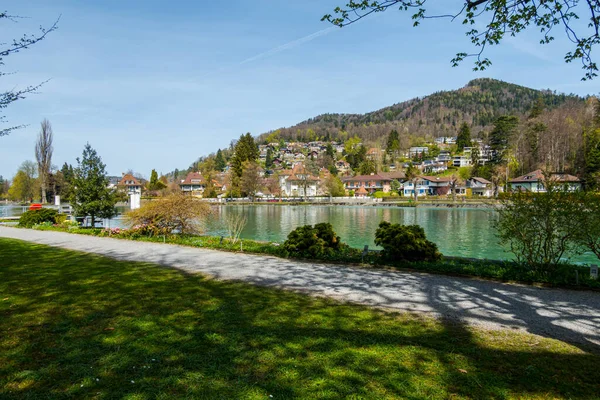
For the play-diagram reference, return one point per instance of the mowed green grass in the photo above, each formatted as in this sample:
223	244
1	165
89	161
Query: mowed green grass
75	325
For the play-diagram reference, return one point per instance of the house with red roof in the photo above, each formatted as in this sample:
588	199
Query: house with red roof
194	184
369	183
298	182
130	184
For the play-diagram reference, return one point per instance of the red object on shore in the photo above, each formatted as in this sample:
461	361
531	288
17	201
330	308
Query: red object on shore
35	206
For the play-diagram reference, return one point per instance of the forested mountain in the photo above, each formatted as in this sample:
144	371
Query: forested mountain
479	103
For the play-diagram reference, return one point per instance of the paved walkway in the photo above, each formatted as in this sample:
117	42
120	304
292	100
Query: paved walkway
573	316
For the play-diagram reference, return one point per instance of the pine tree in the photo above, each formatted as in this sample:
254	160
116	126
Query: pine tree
329	151
220	163
393	143
464	137
153	178
91	195
537	108
155	183
269	159
245	150
504	127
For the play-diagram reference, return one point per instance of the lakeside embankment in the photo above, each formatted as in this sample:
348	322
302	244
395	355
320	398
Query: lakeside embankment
572	276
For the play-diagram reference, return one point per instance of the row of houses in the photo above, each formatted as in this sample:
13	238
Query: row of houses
364	185
298	181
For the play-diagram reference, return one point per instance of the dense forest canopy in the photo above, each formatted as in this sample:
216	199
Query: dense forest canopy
478	104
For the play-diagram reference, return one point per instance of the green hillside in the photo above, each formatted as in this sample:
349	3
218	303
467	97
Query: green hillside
479	103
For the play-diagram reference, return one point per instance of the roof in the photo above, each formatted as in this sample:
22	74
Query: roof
361	190
538	175
299	169
365	178
438	178
129	178
481	180
193	178
393	175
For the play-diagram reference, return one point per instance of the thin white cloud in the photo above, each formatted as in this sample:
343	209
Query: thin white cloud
274	50
289	45
541	52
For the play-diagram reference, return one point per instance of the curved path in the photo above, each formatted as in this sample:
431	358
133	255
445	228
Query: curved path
573	316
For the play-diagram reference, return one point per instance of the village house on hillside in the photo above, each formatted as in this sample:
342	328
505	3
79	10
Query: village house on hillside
367	184
534	182
298	182
480	187
194	183
130	184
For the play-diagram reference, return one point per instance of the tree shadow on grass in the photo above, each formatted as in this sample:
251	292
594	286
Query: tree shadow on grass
76	325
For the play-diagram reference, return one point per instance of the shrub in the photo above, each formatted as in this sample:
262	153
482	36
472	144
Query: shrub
174	213
540	228
405	243
35	217
307	241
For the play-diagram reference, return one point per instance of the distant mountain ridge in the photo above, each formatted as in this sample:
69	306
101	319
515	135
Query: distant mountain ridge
478	103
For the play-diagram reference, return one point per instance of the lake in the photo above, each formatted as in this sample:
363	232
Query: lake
464	232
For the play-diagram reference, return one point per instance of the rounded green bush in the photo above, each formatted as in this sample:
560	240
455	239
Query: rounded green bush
34	217
405	243
317	242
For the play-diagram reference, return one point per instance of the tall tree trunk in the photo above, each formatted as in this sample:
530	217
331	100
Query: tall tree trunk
43	184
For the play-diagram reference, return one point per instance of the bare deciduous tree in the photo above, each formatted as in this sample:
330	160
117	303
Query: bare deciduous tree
16	46
43	155
235	223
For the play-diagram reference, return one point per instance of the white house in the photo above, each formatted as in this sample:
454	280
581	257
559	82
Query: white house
194	183
130	184
408	188
298	182
461	161
480	187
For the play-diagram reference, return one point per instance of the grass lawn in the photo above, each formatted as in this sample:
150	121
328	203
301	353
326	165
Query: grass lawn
75	325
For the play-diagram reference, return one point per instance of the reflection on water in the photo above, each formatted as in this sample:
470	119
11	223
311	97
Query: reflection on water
457	231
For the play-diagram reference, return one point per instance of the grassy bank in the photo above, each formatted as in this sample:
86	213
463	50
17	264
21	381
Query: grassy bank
506	271
77	325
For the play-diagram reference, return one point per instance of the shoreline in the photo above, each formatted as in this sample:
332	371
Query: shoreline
473	268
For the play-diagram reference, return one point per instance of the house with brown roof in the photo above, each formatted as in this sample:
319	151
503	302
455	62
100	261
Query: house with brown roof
534	182
130	184
194	183
369	183
298	182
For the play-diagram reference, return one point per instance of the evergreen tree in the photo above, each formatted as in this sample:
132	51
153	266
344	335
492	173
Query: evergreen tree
367	167
464	137
220	163
153	178
537	108
155	183
504	127
329	151
67	172
591	143
176	175
269	159
91	195
393	143
245	150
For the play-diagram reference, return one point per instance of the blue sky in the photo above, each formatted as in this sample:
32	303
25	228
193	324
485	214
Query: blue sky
151	84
